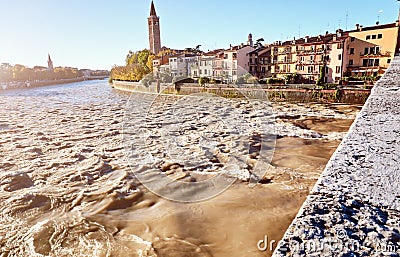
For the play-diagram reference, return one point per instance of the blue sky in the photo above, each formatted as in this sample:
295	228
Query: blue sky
98	34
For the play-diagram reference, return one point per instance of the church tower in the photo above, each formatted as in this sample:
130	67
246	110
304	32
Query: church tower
250	40
49	63
154	30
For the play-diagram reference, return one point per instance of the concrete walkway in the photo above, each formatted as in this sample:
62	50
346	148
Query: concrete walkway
354	209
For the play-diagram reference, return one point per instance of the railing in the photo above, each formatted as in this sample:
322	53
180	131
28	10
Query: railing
377	54
286	52
315	51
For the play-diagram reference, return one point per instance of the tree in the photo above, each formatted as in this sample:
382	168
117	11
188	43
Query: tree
6	71
258	42
240	80
138	65
321	78
203	81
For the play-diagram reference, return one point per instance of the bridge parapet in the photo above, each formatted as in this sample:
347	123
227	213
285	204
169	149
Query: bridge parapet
354	208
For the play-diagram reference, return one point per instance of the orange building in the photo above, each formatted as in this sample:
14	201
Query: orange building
370	50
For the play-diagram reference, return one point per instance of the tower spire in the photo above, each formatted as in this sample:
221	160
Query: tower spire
154	30
49	63
153	10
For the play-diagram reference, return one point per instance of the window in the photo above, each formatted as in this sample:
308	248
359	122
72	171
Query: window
351	63
326	70
327	58
365	63
373	36
368	37
339	57
351	50
352	39
376	62
339	46
389	60
377	49
366	50
371	62
234	55
380	36
337	69
226	56
372	50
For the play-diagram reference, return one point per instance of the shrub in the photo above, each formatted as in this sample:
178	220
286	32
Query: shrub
276	81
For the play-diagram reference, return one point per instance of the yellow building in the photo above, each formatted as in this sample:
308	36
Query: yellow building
370	50
284	58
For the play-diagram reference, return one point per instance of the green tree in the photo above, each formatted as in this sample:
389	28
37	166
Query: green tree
203	81
138	65
321	78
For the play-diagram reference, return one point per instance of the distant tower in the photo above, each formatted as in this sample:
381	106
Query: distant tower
49	63
250	40
154	30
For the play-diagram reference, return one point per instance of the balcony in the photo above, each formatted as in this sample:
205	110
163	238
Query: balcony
286	52
376	55
312	52
308	62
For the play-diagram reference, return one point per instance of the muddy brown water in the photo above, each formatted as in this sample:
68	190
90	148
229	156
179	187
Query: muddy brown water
67	190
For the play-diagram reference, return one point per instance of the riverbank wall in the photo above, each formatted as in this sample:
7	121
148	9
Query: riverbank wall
275	94
31	84
354	208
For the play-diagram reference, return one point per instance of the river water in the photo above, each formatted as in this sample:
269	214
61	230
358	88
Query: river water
68	184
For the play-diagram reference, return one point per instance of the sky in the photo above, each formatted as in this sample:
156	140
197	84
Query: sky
98	34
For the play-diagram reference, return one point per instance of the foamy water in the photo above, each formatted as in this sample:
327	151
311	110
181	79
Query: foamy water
67	185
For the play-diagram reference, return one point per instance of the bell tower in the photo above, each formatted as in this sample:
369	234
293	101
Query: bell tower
154	30
49	63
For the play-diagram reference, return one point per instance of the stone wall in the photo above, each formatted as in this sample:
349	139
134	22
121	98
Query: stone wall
274	94
354	209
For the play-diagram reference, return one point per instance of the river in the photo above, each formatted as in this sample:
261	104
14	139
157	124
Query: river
70	159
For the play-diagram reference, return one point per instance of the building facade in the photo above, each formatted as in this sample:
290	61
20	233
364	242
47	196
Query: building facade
360	52
260	64
370	50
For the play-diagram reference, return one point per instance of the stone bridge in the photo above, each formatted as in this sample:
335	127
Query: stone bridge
354	208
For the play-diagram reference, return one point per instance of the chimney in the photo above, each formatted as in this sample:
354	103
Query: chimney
361	27
357	26
306	39
326	33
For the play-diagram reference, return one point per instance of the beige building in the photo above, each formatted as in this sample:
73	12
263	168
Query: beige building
236	62
370	50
